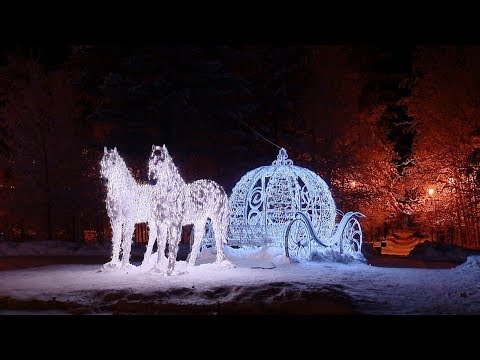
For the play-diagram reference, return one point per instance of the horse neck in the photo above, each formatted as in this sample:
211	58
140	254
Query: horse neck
173	178
125	181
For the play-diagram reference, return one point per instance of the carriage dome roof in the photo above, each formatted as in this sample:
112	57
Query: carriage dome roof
265	199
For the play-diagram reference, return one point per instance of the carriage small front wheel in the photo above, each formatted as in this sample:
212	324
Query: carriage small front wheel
298	240
351	238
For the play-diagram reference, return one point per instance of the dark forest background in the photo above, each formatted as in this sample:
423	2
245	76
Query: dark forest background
381	125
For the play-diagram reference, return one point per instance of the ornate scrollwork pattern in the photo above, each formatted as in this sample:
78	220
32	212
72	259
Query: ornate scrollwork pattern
282	158
266	199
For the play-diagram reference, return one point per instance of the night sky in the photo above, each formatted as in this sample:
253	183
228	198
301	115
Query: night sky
135	135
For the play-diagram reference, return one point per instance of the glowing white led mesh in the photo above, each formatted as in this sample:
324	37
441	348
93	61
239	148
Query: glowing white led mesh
261	206
265	200
127	203
165	206
177	203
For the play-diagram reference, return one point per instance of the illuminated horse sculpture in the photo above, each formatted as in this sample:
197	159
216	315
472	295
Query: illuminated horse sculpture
178	203
128	203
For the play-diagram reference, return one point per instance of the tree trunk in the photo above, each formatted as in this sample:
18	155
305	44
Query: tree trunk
48	191
459	218
475	214
465	218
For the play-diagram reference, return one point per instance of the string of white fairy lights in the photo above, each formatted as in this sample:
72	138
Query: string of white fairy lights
256	132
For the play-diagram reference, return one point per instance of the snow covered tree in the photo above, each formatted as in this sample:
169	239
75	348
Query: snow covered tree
345	144
446	108
366	176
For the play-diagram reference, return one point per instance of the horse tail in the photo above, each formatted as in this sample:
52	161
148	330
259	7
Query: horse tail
224	218
220	222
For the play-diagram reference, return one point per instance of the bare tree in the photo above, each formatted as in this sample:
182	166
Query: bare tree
42	125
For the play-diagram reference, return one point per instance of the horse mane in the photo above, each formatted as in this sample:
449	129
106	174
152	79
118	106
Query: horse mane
172	169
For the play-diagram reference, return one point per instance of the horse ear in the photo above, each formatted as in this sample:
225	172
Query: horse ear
115	149
165	149
104	149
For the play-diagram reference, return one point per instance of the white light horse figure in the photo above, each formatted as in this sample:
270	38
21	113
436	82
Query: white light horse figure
179	203
127	203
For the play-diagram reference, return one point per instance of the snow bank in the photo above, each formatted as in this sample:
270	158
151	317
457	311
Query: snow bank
329	255
255	252
472	264
61	248
429	251
276	254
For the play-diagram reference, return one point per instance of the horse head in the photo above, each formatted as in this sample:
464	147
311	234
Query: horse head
159	159
109	161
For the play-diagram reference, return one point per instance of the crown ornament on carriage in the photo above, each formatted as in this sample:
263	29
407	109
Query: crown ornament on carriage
282	158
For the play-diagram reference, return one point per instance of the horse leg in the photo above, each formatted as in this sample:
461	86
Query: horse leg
162	233
198	234
220	222
173	247
220	233
127	243
116	240
152	233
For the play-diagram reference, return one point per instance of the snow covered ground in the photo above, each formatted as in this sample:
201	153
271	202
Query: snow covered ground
262	281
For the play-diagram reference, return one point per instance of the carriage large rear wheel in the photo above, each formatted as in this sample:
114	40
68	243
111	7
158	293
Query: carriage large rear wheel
298	241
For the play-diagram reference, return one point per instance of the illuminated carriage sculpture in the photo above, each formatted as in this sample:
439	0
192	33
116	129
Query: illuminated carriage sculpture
291	206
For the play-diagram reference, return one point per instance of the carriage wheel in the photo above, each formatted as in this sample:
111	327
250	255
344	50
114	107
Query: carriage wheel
297	240
351	237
